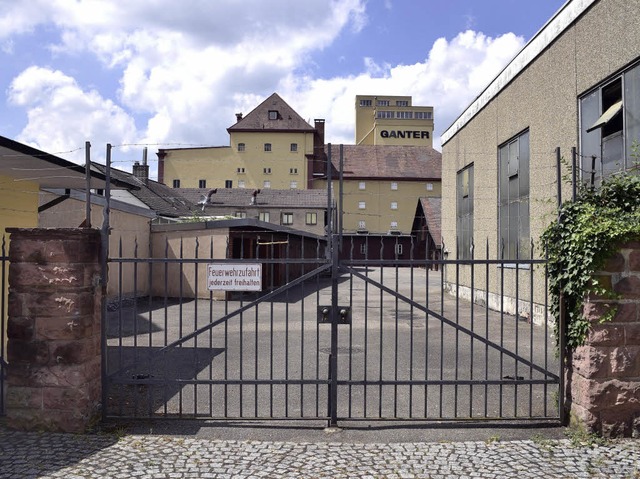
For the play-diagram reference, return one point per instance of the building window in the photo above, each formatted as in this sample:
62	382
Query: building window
176	183
384	114
240	171
513	197
365	102
240	214
273	114
311	218
362	225
293	185
266	171
362	205
402	103
202	183
394	205
609	126
362	185
240	183
404	115
241	146
394	185
394	225
429	186
382	103
228	184
263	216
464	212
423	115
267	147
398	249
363	248
266	184
293	171
286	218
294	147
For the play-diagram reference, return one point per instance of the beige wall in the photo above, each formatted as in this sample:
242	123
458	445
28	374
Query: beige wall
129	236
378	196
544	100
216	165
181	280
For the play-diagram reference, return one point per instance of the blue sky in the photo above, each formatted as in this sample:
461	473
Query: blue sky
164	73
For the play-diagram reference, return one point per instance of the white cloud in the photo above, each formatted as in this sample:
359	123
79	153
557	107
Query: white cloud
61	116
452	75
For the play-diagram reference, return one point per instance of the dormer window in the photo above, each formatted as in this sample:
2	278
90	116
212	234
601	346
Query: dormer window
273	114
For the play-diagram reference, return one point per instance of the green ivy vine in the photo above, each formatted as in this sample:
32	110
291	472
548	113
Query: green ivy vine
586	234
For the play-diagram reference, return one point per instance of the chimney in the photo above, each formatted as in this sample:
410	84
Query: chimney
318	166
141	171
238	116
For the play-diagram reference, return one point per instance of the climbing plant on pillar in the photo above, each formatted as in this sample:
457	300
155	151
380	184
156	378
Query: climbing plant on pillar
586	234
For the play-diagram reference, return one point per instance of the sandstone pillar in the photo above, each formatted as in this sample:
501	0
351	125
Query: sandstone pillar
54	380
604	377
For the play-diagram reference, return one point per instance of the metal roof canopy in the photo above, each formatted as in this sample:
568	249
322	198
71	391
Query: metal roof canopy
25	163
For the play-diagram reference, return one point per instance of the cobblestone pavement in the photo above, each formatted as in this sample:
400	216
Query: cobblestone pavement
47	455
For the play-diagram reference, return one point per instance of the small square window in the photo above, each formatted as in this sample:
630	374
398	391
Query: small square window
311	218
228	184
402	103
398	249
293	185
202	183
240	214
394	224
267	147
176	183
382	103
294	147
286	218
293	171
266	184
264	216
365	102
429	186
240	171
240	183
394	205
362	205
394	185
362	225
362	185
266	171
273	114
241	146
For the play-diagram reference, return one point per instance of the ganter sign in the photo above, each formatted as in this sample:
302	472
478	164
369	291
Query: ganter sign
234	277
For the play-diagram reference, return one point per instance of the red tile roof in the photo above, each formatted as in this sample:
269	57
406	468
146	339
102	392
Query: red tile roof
388	162
258	119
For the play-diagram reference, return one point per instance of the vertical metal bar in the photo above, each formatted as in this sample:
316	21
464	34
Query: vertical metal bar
442	293
104	278
381	348
562	345
593	171
87	171
286	328
427	270
517	325
226	340
351	307
3	334
559	176
211	335
574	172
531	331
486	330
195	326
501	323
166	323
120	320
411	267
241	336
366	327
340	197
180	309
302	296
471	340
396	341
334	330
457	342
136	352
151	388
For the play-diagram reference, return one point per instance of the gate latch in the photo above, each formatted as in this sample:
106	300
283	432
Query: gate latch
343	314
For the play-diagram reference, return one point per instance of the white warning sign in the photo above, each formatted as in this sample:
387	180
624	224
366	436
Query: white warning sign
234	277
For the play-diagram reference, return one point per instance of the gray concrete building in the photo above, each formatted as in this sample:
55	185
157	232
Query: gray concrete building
575	84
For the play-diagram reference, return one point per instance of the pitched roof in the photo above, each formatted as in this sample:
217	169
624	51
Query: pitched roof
387	161
160	198
269	198
23	162
258	119
432	208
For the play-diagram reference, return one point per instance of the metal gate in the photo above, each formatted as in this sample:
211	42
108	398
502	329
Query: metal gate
327	339
4	271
